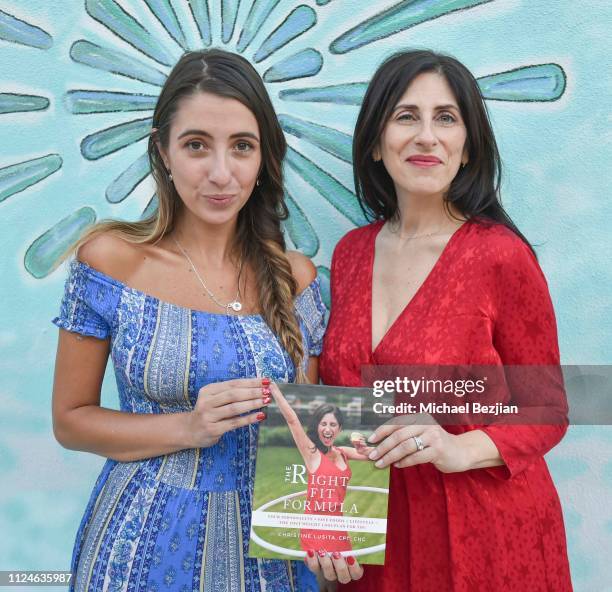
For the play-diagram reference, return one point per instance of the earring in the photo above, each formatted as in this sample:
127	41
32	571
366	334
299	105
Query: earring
170	176
258	183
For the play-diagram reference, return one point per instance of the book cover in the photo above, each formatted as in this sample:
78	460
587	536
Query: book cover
315	487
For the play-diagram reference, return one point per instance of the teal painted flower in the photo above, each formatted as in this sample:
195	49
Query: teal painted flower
283	42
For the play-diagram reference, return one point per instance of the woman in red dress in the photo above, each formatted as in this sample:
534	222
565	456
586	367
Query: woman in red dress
443	277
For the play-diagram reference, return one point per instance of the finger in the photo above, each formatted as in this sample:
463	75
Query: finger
311	561
235	409
238	422
341	568
327	567
355	570
239	394
418	458
394	440
383	431
216	388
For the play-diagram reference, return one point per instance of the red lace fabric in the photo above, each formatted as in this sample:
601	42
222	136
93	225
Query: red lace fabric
484	302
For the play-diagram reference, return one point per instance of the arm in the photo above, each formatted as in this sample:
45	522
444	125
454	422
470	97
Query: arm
304	444
79	423
525	335
354	454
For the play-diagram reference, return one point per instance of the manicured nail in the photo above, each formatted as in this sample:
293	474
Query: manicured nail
371	438
336	555
261	416
350	560
310	553
373	455
265	381
265	391
266	400
321	552
380	464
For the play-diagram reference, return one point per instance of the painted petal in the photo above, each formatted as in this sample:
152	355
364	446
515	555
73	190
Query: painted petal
125	26
44	253
299	21
114	138
116	62
15	103
18	31
398	18
325	280
150	208
299	228
165	14
543	82
94	101
229	12
17	177
126	182
332	141
307	62
201	16
260	11
340	94
330	189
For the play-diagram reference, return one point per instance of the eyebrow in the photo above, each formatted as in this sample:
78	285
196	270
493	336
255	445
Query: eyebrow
437	108
197	132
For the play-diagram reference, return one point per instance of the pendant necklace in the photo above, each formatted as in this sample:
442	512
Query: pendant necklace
235	305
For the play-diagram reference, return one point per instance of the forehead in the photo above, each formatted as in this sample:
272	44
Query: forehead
329	417
218	116
428	89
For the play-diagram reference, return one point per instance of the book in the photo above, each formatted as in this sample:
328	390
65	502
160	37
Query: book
315	487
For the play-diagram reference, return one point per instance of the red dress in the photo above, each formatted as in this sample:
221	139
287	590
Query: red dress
484	302
327	487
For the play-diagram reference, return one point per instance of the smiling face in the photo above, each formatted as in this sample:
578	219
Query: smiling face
423	143
328	429
214	156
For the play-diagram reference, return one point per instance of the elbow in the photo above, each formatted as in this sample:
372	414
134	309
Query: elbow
62	433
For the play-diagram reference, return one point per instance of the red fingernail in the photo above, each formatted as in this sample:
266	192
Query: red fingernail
336	555
265	381
266	400
265	391
321	552
261	416
350	560
310	553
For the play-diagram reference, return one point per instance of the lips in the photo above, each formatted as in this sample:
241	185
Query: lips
423	160
219	199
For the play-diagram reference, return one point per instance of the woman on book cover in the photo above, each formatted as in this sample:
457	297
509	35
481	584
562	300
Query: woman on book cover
444	277
198	305
328	470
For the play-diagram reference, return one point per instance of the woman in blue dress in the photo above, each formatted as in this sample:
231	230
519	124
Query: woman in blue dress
195	305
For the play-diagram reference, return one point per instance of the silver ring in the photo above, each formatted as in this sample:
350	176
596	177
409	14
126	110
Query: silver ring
419	443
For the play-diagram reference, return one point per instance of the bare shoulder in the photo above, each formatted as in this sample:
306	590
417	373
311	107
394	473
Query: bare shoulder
110	254
303	269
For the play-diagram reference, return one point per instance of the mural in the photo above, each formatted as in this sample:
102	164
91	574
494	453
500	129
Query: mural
84	77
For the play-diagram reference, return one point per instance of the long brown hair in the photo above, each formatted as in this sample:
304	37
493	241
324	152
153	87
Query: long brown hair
259	241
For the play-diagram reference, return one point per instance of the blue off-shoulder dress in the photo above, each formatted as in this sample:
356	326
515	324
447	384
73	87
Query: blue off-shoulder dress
178	522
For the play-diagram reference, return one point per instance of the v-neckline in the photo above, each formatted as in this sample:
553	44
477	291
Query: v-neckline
416	295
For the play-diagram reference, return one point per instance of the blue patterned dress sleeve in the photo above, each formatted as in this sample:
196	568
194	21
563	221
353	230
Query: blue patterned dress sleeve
88	303
312	313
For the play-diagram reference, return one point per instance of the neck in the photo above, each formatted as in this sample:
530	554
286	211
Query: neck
420	215
211	243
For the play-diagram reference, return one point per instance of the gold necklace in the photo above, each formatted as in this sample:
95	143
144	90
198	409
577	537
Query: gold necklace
235	304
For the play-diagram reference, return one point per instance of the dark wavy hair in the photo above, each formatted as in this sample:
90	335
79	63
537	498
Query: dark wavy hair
475	189
313	426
